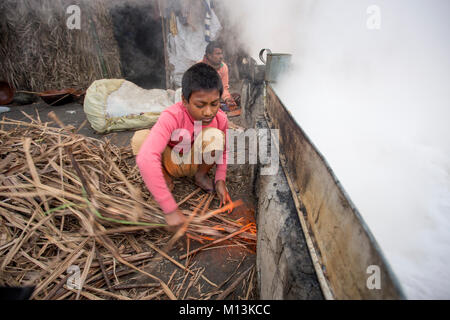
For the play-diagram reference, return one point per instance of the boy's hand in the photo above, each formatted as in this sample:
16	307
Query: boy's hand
175	219
222	192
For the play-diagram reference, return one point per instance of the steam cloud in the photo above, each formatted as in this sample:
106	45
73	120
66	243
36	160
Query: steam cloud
376	103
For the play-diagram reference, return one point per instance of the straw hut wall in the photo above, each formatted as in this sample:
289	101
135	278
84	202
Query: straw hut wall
39	52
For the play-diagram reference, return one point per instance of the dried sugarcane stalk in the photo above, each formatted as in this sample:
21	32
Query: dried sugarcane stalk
230	289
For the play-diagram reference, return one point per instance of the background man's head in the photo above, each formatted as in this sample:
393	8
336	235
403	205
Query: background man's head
214	53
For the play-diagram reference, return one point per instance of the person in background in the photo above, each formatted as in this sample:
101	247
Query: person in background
173	135
214	58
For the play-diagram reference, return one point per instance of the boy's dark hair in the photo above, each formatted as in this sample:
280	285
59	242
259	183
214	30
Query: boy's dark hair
211	46
201	77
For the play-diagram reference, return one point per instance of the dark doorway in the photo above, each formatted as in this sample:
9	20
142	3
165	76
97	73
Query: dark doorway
138	31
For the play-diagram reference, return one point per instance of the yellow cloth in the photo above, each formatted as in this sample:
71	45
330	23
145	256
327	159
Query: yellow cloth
96	99
173	24
95	105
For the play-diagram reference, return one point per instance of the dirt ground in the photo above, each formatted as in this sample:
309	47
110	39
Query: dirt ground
221	265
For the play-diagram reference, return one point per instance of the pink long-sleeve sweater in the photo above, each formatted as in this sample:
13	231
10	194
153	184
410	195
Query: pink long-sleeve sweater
149	158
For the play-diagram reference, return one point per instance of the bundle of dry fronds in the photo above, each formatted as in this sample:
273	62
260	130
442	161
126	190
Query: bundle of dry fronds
66	198
39	52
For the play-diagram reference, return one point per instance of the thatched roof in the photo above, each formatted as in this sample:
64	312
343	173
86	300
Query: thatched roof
39	52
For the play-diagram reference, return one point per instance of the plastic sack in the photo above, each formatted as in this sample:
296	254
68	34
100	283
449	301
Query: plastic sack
118	105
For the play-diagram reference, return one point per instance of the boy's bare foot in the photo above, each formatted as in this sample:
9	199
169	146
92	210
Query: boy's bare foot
203	181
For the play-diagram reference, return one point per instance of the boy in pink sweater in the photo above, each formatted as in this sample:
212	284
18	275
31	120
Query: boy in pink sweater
189	139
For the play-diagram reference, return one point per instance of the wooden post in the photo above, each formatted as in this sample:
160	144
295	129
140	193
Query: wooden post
166	55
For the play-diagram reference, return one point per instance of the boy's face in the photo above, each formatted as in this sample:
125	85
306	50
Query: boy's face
203	105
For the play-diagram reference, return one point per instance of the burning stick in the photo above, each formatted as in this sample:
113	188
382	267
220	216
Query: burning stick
217	241
229	207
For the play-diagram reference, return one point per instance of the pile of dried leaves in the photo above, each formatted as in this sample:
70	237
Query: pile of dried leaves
69	200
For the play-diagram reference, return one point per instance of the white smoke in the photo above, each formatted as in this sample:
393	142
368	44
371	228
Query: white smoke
376	103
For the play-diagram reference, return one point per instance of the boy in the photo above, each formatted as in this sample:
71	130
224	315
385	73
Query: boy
174	136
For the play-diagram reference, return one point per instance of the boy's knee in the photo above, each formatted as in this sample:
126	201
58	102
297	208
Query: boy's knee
138	140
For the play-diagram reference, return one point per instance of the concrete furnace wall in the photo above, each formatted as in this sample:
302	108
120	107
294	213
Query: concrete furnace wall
284	266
